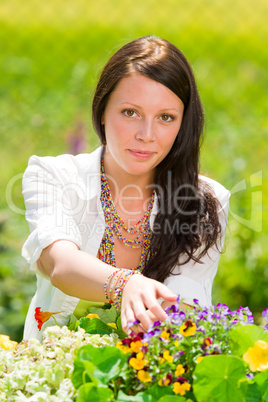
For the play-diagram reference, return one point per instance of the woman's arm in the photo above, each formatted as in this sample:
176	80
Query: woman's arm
82	275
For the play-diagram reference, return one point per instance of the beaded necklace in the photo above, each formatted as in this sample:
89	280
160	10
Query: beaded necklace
114	226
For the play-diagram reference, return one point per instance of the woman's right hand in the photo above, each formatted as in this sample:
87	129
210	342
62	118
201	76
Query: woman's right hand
141	293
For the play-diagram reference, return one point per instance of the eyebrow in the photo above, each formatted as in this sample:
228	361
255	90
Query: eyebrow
139	107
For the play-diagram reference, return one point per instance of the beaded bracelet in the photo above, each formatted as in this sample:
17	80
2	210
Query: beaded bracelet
115	277
107	295
118	290
119	280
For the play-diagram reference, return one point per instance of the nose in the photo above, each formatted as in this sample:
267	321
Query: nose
146	131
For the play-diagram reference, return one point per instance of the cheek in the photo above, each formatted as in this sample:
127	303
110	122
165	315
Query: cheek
117	130
169	139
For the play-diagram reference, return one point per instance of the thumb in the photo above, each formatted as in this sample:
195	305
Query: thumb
166	293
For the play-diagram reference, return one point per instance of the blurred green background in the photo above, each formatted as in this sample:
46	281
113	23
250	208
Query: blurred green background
50	58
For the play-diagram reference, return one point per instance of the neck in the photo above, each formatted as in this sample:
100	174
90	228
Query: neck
126	185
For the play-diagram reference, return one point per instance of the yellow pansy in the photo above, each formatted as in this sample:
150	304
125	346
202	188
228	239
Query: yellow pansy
136	346
144	376
199	358
112	324
164	382
122	347
257	356
6	343
188	328
181	388
165	335
179	370
167	356
137	362
92	316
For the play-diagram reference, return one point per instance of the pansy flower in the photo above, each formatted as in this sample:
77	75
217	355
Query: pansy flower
6	343
165	335
144	376
257	356
181	385
179	370
164	382
188	328
92	316
137	362
136	344
166	356
206	343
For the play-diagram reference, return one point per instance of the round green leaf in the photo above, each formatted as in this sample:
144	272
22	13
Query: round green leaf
90	393
171	398
139	397
217	377
244	336
261	380
95	326
108	362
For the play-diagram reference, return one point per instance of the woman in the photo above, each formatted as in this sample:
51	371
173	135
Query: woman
133	223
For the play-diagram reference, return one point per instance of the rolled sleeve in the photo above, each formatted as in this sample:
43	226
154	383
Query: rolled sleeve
49	210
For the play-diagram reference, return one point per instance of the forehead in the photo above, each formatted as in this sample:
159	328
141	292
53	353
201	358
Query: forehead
139	89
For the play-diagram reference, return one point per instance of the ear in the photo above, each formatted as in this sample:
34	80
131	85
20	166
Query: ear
102	119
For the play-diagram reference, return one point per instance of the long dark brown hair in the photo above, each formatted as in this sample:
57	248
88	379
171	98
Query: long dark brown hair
187	217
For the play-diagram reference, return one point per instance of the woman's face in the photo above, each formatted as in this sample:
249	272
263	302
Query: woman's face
142	119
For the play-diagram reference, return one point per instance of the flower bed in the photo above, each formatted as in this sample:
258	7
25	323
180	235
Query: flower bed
198	355
42	372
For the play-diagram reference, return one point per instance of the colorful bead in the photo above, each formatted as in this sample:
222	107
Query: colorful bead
107	295
118	280
114	226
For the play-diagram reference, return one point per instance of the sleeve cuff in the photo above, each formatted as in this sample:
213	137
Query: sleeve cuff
37	241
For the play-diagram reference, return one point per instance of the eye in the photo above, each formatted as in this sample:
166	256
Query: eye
167	117
129	112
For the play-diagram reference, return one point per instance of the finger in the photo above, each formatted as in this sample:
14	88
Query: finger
151	316
141	315
127	317
165	292
156	309
137	329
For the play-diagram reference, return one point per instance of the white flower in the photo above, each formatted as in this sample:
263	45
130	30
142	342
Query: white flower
38	372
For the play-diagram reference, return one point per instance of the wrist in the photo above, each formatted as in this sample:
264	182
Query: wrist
115	285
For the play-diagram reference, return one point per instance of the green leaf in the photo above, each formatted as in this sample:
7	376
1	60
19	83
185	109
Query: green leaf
108	361
262	381
118	323
171	398
90	371
79	375
89	392
95	326
139	397
73	323
244	337
106	315
157	392
253	393
120	331
217	378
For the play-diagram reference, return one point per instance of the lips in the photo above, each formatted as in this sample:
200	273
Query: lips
142	154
